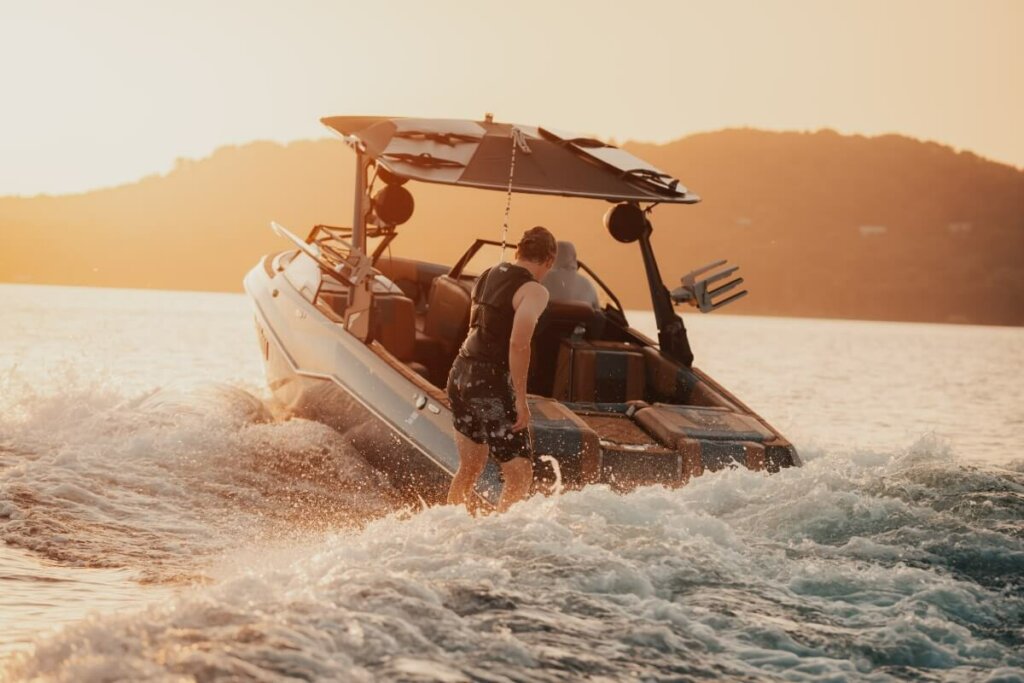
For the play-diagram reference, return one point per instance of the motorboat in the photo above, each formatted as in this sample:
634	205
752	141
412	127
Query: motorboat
363	341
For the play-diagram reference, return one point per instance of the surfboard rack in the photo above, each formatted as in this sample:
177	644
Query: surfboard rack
699	293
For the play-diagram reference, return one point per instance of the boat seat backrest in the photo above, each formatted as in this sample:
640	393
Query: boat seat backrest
336	301
413	277
666	379
394	324
559	321
447	319
599	372
671	382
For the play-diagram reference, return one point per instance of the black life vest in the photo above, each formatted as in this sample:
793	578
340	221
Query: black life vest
491	314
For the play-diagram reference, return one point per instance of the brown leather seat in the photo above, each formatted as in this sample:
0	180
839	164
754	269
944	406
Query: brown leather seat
670	382
394	324
708	438
336	301
445	326
599	372
671	423
413	277
559	321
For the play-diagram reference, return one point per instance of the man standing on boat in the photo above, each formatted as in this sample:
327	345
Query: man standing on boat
487	383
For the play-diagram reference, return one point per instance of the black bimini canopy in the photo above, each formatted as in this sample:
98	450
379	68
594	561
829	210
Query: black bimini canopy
479	154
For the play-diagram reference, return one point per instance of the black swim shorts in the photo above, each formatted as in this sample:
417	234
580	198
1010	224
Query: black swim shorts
484	406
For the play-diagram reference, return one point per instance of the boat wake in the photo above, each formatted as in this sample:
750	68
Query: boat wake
164	480
858	565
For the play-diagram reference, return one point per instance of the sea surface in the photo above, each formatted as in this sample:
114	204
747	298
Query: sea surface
160	519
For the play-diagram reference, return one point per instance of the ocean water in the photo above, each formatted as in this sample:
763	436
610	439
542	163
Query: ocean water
161	520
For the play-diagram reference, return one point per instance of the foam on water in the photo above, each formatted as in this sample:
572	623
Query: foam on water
157	480
870	565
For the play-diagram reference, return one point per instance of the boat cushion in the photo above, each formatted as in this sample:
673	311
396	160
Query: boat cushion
707	438
336	301
448	313
666	379
445	326
559	321
395	324
671	424
412	276
669	381
599	372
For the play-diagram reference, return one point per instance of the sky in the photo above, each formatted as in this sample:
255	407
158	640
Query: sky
102	93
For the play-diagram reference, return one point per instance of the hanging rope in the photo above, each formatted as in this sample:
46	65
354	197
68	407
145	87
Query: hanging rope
518	141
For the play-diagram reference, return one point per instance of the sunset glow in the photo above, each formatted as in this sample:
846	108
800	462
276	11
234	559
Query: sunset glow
101	94
445	389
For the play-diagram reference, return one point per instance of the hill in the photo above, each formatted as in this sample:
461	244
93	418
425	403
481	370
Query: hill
824	225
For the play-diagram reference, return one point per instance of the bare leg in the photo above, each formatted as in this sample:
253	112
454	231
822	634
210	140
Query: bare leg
472	458
518	475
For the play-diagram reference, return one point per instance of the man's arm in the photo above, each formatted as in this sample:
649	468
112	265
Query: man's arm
529	302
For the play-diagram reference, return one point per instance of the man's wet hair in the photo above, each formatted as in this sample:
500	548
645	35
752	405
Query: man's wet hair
537	245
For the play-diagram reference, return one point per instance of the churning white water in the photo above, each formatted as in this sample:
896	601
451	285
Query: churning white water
162	522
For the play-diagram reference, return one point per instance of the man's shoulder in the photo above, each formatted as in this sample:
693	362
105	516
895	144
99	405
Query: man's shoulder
533	291
533	286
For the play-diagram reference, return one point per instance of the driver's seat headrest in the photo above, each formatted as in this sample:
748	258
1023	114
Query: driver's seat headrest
565	259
